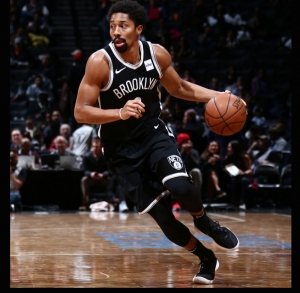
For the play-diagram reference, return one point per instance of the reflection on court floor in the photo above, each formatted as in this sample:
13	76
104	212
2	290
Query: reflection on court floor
159	240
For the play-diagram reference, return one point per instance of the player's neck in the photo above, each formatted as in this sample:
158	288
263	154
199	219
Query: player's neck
132	55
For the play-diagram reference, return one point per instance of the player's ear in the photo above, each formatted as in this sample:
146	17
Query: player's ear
139	29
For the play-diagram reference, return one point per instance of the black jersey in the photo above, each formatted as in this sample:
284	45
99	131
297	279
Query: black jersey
127	82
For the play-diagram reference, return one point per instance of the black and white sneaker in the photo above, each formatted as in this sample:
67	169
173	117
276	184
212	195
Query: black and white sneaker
223	236
206	274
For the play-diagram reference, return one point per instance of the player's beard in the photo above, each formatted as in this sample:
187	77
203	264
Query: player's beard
123	48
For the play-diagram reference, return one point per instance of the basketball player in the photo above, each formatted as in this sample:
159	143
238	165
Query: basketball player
141	152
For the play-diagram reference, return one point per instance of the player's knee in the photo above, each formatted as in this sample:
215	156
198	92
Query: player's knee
179	186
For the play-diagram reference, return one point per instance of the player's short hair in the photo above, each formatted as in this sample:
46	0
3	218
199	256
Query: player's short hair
135	11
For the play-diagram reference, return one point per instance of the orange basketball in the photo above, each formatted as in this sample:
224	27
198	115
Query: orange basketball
225	114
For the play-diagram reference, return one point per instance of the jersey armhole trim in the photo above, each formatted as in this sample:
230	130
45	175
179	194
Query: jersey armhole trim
111	71
155	60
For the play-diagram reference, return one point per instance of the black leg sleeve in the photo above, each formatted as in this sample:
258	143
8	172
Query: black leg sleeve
185	192
174	230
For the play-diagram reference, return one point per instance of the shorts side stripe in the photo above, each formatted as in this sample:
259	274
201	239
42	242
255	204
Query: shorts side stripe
154	202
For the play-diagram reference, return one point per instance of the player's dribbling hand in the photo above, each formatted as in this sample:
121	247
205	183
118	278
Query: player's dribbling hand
229	92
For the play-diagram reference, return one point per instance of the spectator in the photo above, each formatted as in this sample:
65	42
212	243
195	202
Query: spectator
261	153
233	18
257	24
17	92
230	76
37	142
29	9
169	103
285	128
243	34
163	30
17	178
74	77
231	40
253	134
258	118
30	127
239	184
211	169
15	8
16	138
206	41
14	25
117	197
64	103
211	17
286	42
194	128
251	103
195	14
61	149
52	130
224	140
39	96
166	117
48	70
65	131
39	42
156	11
259	84
20	56
96	173
190	157
102	8
184	50
238	86
39	111
25	150
220	27
220	50
278	142
20	36
43	120
82	140
215	84
42	25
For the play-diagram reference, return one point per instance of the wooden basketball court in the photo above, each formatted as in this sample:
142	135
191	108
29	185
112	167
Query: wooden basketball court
127	250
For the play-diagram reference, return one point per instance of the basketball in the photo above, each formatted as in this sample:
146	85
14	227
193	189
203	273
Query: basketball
225	114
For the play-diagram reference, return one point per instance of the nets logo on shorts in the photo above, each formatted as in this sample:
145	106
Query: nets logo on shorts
175	162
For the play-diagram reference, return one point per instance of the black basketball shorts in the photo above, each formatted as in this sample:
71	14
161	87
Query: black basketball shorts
142	166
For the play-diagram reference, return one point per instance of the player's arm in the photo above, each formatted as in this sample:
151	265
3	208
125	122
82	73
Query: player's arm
175	85
96	73
96	76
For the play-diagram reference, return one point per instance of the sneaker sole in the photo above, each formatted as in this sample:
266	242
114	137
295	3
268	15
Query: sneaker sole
201	280
224	248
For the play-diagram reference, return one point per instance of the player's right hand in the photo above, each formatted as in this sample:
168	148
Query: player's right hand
134	108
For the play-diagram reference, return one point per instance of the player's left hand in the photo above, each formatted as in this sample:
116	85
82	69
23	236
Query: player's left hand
229	92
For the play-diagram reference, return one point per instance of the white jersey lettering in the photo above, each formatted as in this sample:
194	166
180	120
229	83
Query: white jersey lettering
129	86
117	93
122	87
135	84
141	83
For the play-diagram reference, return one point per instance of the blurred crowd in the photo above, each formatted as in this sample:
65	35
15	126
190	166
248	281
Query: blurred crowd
238	45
